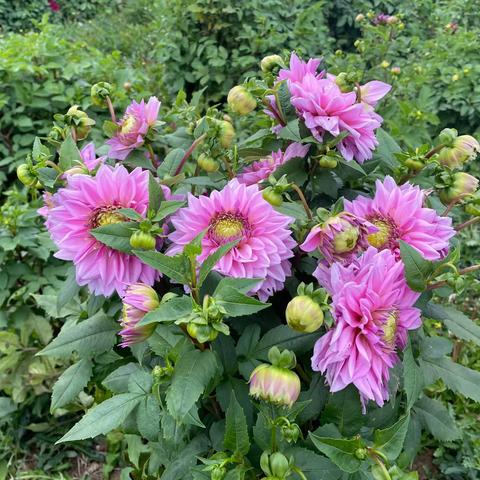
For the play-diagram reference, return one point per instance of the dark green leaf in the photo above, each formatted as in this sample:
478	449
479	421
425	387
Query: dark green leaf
171	162
314	466
390	440
115	235
238	304
69	154
155	195
209	263
412	377
168	207
437	419
118	380
340	451
177	267
291	131
417	269
236	431
148	418
174	309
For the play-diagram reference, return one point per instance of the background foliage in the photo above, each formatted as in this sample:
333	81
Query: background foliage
156	47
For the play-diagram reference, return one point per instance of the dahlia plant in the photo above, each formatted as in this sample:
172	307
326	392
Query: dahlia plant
256	282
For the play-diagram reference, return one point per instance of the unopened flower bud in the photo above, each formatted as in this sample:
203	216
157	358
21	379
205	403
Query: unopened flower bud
138	300
80	121
463	149
142	241
455	77
414	165
274	384
360	17
99	92
385	64
273	198
226	133
391	20
327	162
25	175
269	62
275	465
304	314
207	163
291	433
241	101
202	333
127	86
447	136
462	184
395	70
361	453
76	170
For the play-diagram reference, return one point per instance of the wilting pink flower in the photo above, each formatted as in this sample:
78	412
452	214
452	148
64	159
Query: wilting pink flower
262	169
340	238
138	300
399	214
54	6
90	158
373	310
89	202
133	128
326	109
238	212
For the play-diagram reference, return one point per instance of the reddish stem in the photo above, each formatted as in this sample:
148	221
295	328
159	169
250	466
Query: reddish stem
193	146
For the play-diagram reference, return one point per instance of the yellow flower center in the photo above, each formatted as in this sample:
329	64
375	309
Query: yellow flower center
380	238
128	124
345	241
390	328
227	227
106	216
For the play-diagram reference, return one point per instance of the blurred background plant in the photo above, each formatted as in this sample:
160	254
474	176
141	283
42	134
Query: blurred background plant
51	52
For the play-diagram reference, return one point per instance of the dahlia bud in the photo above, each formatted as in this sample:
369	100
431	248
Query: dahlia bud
77	170
463	149
327	162
304	314
391	20
462	184
226	133
269	62
138	300
448	136
207	163
291	433
272	197
472	209
339	237
395	70
142	240
385	64
80	121
25	175
361	453
99	92
360	17
202	333
241	101
275	465
275	384
455	77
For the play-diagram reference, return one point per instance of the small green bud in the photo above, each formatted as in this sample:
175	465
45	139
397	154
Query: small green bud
273	198
414	165
202	333
463	149
269	62
447	136
240	100
25	175
360	17
142	240
80	121
218	473
279	464
291	433
226	133
304	314
207	163
327	162
361	453
99	92
462	184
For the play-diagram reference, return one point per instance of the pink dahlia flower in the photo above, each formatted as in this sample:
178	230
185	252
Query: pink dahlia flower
133	128
262	169
372	92
138	300
326	109
299	68
340	238
89	202
90	158
399	214
373	310
238	212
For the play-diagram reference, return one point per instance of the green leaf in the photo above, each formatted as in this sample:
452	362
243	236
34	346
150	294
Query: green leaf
176	268
390	440
89	338
174	309
387	147
237	303
131	214
137	158
155	195
413	380
7	406
340	451
168	207
314	466
103	418
458	378
118	380
115	235
68	154
291	131
236	431
71	383
193	372
209	263
284	105
141	382
417	269
458	323
171	162
148	418
437	419
243	285
68	290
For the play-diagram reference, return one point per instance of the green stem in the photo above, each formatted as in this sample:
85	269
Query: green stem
463	271
299	472
273	440
303	200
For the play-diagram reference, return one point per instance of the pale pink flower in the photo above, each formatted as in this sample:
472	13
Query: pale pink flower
90	158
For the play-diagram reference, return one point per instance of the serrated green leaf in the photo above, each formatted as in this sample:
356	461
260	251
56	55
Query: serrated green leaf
171	162
314	466
176	267
68	153
437	419
209	263
168	207
340	451
193	372
118	380
236	430
291	131
237	303
413	380
115	235
417	269
173	309
148	418
155	195
103	418
89	338
390	440
68	290
70	383
137	158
